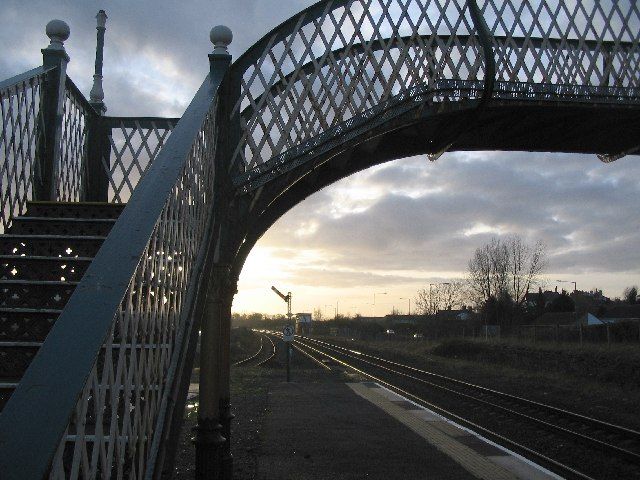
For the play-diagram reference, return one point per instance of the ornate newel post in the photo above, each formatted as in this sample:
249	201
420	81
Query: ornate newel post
53	97
211	460
96	180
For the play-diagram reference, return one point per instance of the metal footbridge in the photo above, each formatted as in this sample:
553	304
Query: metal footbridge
125	236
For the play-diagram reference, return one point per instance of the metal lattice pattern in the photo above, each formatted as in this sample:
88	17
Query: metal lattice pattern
339	59
73	145
134	145
115	420
19	112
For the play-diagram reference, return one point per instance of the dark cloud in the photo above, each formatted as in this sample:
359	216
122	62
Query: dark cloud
585	212
146	42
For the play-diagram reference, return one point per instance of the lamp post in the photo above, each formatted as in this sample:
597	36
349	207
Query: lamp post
407	298
431	298
374	301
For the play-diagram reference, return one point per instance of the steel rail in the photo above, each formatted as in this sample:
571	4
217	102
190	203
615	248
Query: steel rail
467	423
610	427
300	347
273	353
251	357
632	456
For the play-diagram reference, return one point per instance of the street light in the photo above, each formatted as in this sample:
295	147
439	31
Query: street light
374	301
407	298
575	285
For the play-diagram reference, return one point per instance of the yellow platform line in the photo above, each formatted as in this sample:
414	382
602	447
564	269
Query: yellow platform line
438	433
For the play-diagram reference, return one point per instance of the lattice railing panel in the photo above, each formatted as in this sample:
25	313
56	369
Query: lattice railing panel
73	145
344	60
19	113
335	61
116	417
583	43
134	145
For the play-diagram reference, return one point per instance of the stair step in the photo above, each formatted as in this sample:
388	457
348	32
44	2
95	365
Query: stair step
14	360
43	257
16	267
35	294
6	389
50	245
26	324
75	209
61	226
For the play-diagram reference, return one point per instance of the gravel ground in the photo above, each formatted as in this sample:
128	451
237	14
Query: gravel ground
249	404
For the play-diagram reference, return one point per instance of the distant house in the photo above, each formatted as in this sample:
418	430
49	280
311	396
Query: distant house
590	319
461	315
614	313
395	319
531	298
557	318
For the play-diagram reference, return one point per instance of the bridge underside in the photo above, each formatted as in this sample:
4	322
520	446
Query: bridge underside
538	128
507	126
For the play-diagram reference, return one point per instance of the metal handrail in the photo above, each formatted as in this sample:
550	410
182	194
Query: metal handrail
35	418
10	83
77	94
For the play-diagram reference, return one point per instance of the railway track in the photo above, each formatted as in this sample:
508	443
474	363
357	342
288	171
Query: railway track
568	443
266	352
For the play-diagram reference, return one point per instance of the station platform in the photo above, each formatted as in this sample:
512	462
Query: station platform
332	429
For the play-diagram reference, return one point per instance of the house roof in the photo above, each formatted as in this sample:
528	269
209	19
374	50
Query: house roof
623	310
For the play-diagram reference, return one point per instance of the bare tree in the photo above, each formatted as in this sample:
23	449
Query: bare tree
489	271
631	294
508	266
440	296
526	263
317	314
423	302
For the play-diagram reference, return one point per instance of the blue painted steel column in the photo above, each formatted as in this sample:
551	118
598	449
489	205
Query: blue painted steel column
209	441
53	96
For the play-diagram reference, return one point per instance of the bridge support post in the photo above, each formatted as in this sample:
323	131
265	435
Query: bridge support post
225	384
53	98
208	439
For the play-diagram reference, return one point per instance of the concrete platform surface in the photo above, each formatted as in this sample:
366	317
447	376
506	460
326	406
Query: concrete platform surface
336	430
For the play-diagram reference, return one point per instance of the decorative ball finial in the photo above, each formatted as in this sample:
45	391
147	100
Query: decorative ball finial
58	32
221	37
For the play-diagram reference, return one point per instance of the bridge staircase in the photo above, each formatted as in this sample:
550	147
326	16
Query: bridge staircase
43	256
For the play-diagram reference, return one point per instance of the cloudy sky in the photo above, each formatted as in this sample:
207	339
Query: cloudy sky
391	229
